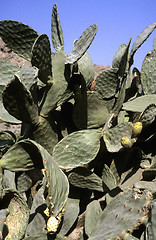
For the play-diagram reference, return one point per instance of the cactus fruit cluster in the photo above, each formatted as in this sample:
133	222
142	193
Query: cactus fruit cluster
84	163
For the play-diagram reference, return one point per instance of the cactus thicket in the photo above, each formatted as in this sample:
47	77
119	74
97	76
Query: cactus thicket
84	161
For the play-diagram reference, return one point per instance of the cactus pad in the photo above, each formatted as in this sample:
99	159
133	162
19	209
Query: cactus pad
59	83
93	211
81	46
44	131
139	104
70	215
28	76
107	83
18	37
41	57
28	154
148	116
19	103
131	210
86	68
17	219
57	184
77	148
90	110
113	136
120	59
6	117
84	178
141	39
37	222
148	79
7	73
56	30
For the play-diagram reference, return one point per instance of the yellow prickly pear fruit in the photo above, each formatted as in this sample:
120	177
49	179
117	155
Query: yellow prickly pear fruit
126	142
52	224
137	128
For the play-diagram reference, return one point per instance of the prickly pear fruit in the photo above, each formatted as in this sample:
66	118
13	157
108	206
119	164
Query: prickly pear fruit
137	128
54	222
126	142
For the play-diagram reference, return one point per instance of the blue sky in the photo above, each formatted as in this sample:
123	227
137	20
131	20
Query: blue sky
117	21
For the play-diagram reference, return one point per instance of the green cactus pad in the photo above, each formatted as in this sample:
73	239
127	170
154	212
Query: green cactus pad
84	178
28	76
107	83
148	116
148	78
141	39
86	68
90	110
97	112
23	182
120	97
110	103
108	177
139	104
129	178
26	152
125	213
120	59
17	219
6	117
71	214
112	137
81	46
59	83
41	57
8	179
18	37
78	148
46	134
80	96
57	183
37	221
19	103
93	212
56	30
33	155
6	74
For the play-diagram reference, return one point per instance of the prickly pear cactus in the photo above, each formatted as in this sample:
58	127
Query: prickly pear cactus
83	164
